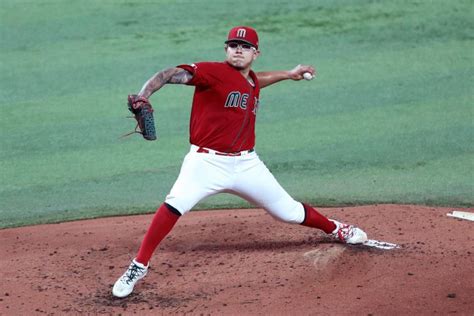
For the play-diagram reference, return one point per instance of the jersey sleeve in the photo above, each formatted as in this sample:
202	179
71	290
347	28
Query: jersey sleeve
202	75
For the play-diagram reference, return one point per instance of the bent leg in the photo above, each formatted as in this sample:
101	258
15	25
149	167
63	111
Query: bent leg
258	186
200	176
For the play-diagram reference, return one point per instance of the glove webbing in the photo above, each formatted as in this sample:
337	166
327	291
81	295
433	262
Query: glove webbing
135	131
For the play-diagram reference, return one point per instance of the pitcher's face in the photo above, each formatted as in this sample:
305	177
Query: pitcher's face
240	54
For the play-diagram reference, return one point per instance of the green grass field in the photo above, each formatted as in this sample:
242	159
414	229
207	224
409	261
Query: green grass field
389	118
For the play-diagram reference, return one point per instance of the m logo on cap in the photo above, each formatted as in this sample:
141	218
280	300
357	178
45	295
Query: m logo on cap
241	33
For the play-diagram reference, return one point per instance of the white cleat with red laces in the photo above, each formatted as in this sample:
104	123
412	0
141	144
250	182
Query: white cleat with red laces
348	234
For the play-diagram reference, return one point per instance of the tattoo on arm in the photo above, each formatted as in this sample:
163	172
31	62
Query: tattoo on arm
180	76
170	75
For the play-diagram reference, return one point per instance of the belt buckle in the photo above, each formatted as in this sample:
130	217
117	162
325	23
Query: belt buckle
228	154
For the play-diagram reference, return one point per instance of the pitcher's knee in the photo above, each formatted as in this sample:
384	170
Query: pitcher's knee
287	210
180	205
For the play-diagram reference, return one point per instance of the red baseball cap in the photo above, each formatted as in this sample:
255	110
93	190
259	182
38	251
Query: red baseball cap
243	34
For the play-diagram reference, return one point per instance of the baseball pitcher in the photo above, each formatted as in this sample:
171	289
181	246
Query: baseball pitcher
222	156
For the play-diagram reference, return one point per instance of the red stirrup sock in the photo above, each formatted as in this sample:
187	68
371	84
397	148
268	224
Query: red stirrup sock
163	221
314	219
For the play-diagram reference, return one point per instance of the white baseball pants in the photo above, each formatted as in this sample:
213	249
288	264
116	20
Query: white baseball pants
206	174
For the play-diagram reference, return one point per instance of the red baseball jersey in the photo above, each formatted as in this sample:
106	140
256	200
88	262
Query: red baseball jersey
224	107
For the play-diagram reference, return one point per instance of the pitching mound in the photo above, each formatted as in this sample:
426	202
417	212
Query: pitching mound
243	262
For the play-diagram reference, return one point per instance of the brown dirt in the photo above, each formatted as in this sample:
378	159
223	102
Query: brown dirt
243	262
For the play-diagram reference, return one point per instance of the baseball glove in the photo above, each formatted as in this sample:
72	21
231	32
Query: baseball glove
142	112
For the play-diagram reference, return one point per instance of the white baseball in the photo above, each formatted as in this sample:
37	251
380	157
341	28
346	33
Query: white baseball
308	76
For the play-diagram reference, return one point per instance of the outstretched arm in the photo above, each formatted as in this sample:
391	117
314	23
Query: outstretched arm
267	78
173	75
